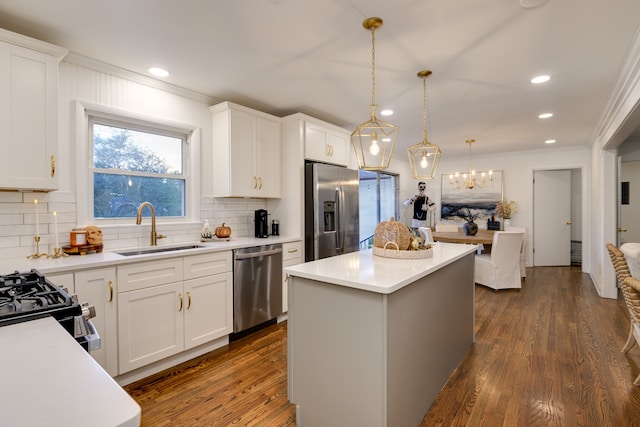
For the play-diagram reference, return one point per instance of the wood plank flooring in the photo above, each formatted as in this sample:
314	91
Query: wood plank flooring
545	355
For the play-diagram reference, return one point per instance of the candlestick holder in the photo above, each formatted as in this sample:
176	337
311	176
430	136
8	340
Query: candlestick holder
37	254
57	253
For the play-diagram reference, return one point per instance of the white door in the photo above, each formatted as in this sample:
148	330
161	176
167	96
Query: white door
552	218
629	208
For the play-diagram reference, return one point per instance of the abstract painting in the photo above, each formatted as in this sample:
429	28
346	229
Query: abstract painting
458	201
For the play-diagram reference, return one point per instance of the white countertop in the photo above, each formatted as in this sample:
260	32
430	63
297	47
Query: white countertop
50	380
109	257
365	271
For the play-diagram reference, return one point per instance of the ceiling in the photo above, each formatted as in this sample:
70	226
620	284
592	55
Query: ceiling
314	56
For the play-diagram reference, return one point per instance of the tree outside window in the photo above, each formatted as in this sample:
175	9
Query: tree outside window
131	166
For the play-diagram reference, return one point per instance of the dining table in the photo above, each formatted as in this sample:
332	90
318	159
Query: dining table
482	237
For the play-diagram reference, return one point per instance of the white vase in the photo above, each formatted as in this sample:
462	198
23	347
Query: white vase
507	223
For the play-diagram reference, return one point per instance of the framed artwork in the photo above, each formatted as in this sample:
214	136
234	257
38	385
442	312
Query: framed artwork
456	200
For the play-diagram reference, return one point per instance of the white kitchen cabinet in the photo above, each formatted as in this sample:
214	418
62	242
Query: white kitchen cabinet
63	280
326	143
98	288
171	305
291	255
28	112
247	152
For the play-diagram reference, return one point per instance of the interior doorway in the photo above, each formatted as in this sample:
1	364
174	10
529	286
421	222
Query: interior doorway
557	217
628	202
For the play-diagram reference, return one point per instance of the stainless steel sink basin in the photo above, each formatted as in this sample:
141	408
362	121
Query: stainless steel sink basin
157	249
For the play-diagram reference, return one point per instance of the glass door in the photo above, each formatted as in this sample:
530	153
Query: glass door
378	202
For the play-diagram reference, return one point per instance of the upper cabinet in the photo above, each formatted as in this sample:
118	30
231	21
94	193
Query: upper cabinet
28	112
326	143
247	151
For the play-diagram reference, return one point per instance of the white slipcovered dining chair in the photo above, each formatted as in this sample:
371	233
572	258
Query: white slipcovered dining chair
501	268
523	267
447	227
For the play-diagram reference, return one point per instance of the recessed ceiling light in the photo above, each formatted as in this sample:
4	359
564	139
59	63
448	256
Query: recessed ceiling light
540	79
386	112
158	72
550	141
545	115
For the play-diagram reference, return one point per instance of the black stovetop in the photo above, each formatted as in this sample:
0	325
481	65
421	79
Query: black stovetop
28	296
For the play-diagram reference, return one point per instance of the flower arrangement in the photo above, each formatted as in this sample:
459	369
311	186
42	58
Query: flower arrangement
505	208
469	217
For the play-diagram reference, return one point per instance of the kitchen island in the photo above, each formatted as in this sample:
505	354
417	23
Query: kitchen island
373	340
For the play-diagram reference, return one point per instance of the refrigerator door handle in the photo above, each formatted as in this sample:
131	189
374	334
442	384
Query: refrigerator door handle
338	222
339	231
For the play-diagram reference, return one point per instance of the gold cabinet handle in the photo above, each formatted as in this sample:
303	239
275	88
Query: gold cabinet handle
568	222
188	300
180	309
255	182
331	150
53	166
291	251
110	290
260	180
622	230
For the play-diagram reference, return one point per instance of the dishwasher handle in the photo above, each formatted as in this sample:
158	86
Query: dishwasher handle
258	253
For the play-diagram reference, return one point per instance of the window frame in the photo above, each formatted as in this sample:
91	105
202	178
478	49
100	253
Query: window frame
86	114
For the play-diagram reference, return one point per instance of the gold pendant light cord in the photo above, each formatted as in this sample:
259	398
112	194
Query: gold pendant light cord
373	68
424	108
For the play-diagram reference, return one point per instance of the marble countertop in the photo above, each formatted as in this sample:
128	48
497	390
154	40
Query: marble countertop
112	257
53	381
365	271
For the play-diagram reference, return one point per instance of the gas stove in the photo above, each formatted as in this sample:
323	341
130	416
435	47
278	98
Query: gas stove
28	296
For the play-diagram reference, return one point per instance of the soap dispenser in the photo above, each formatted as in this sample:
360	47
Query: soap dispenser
206	230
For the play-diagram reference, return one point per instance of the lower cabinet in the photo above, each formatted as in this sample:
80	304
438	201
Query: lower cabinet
184	307
98	288
291	255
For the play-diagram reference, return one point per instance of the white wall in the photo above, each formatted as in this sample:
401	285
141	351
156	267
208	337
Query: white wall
79	81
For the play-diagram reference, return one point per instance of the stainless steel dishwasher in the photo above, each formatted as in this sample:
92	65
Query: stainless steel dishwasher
257	285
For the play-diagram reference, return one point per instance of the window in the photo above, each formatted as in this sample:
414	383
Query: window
135	162
378	202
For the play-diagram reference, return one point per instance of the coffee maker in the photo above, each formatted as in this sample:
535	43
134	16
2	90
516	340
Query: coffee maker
261	223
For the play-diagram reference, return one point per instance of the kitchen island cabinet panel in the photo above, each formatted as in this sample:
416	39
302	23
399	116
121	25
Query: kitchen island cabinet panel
98	288
373	340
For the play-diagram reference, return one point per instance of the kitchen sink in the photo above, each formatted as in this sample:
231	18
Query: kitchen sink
157	249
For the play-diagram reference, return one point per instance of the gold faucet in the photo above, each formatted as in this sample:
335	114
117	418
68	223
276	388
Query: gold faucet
154	235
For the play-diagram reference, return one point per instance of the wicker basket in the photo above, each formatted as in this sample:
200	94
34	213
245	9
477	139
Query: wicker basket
427	252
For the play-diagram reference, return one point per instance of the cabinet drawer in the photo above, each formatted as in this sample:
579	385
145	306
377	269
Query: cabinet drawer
152	273
207	264
291	250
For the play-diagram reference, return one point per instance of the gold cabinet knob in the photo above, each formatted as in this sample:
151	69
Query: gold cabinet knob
622	230
568	222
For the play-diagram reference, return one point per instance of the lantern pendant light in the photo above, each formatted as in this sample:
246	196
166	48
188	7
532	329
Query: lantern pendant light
374	140
424	156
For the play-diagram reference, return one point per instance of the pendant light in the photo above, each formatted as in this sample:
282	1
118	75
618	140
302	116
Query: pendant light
471	180
424	156
374	140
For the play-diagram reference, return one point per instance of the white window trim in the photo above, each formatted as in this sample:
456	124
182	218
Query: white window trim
84	160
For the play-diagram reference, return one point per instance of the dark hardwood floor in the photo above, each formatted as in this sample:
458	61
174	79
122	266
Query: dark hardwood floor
545	355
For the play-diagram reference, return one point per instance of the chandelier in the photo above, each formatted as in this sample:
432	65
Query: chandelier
472	179
424	156
373	141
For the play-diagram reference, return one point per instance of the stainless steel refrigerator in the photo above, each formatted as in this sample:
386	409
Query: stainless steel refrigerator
332	223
